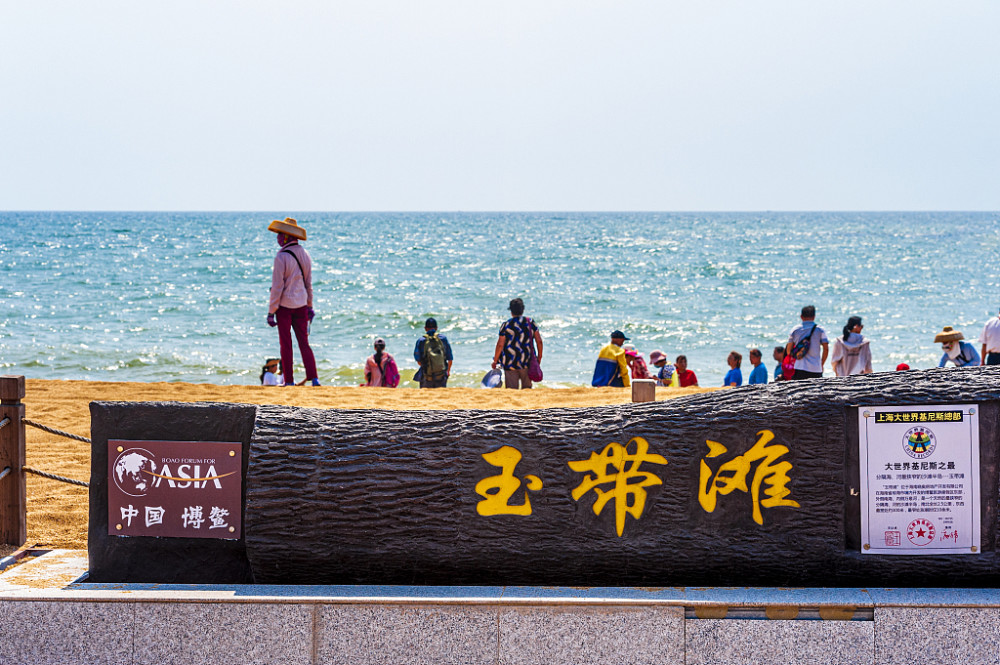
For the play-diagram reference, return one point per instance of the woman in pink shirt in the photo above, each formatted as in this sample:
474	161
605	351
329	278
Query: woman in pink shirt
380	368
290	307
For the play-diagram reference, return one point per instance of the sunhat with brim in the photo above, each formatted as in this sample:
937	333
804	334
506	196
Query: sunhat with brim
289	227
949	334
657	356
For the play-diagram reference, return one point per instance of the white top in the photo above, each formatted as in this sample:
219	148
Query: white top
812	361
991	335
270	379
851	356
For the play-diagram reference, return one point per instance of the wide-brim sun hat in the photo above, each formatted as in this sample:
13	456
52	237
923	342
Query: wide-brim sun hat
948	334
289	227
657	356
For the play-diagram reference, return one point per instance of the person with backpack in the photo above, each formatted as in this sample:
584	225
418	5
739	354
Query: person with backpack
433	354
291	304
519	341
380	368
808	345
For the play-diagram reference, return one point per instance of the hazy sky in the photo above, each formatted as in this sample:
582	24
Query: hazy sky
477	105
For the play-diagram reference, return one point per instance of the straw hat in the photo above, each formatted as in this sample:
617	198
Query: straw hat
949	334
288	227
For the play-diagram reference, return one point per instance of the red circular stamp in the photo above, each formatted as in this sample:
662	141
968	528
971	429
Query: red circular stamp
920	532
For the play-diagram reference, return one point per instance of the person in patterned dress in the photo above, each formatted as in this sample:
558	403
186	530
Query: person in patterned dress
514	347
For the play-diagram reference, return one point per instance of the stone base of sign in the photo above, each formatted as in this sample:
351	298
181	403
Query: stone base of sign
603	634
376	634
939	635
778	642
46	617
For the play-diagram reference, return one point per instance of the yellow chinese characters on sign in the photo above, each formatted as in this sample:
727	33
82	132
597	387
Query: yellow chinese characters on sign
498	490
732	475
619	468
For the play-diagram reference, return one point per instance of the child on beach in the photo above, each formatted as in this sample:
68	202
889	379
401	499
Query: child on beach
665	376
269	373
380	368
636	363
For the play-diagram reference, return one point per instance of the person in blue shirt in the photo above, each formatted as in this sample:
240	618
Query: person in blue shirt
759	372
433	354
962	354
734	377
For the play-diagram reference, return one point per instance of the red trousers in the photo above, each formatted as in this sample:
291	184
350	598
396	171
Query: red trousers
298	320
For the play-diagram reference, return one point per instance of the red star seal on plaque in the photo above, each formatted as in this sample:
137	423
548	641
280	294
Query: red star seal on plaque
920	532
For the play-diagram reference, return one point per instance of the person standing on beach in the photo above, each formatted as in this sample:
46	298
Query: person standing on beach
990	339
433	354
291	302
611	368
734	377
685	377
779	356
809	345
759	373
851	354
519	340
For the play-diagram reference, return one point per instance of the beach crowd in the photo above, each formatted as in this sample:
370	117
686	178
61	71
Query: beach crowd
518	352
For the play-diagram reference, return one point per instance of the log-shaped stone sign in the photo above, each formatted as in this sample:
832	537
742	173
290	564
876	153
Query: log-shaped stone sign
757	485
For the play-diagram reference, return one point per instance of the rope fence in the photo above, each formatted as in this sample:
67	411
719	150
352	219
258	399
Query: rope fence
52	476
13	496
39	472
53	430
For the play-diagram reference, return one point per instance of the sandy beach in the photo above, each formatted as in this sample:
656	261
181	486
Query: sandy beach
57	512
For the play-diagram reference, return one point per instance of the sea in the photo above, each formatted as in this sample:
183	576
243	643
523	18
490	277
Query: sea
182	296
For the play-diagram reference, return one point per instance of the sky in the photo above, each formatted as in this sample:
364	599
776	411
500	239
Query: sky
477	105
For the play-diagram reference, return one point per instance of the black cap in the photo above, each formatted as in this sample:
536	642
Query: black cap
618	334
431	323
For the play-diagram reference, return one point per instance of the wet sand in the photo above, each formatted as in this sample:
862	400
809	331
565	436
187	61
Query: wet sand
57	512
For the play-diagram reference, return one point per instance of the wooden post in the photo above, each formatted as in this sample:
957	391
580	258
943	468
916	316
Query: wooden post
643	390
13	493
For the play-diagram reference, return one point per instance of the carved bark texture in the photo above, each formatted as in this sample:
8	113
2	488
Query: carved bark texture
377	497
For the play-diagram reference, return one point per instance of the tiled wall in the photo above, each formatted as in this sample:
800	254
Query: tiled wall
220	633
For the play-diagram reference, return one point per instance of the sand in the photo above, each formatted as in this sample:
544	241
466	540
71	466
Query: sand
57	512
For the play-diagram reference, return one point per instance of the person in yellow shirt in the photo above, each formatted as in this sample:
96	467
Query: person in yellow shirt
611	368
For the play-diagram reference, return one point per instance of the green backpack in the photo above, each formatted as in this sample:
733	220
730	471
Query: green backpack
435	363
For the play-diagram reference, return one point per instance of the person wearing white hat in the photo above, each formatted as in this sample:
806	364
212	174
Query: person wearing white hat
291	304
962	354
